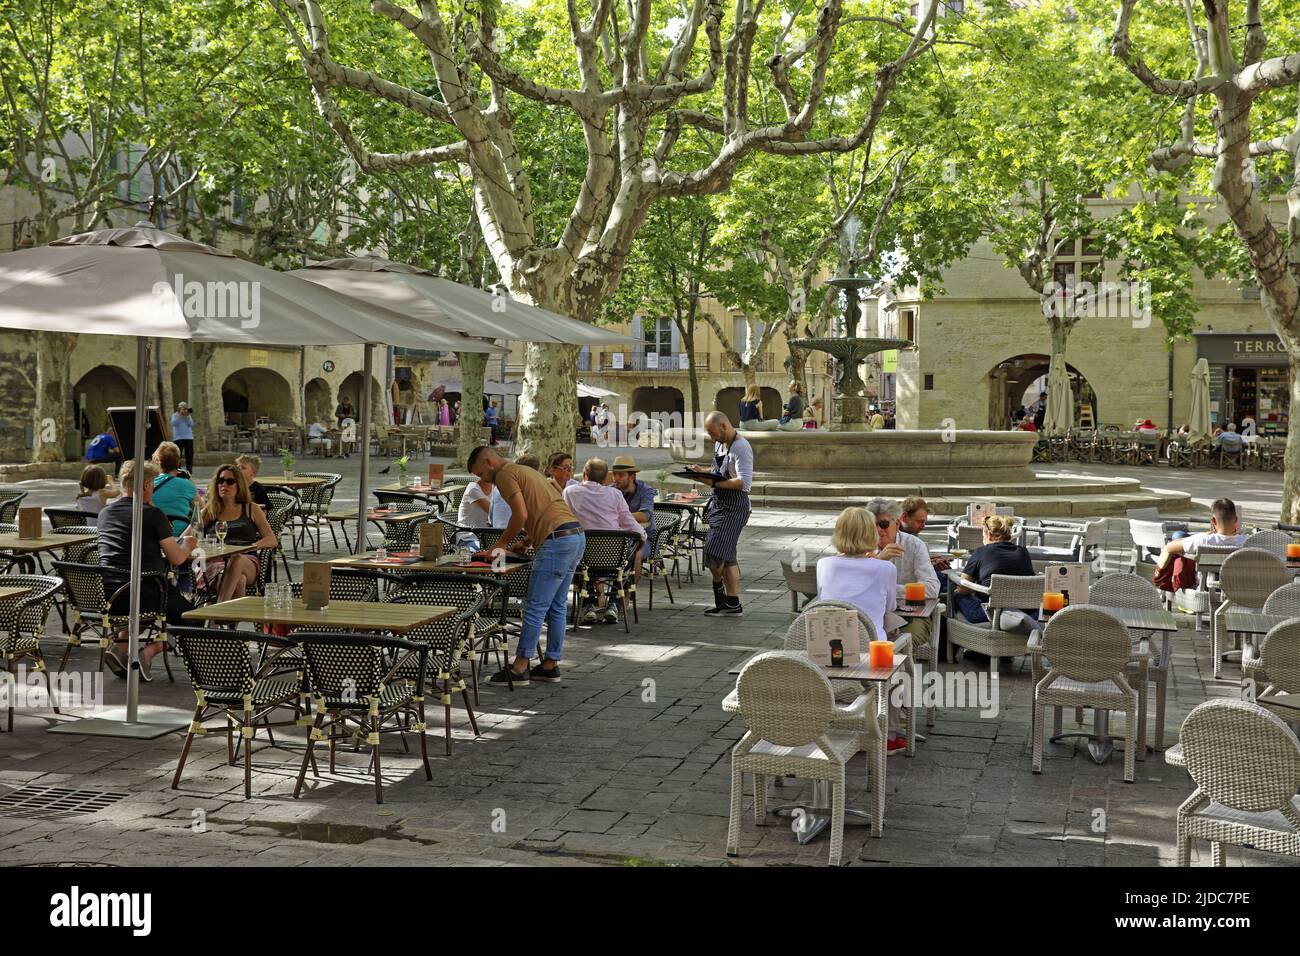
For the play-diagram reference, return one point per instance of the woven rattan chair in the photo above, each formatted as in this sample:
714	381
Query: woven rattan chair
1123	590
678	546
9	504
22	625
1247	578
402	535
357	689
1285	601
1278	671
1006	592
800	583
64	517
515	582
221	672
314	503
1272	541
788	708
92	591
1245	763
607	559
284	505
1089	652
656	566
448	639
83	552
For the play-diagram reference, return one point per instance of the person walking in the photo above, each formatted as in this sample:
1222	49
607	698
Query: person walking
538	510
183	433
727	511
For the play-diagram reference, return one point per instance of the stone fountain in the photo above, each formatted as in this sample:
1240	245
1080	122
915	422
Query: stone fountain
849	403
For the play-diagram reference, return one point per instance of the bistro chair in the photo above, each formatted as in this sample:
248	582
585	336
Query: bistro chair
1277	669
1245	763
314	504
1006	592
1284	602
9	503
22	625
800	584
1246	580
82	552
788	708
608	559
863	713
515	582
399	497
65	517
448	639
358	693
657	564
279	515
1089	651
402	535
1085	542
677	545
93	590
1124	590
1272	541
220	669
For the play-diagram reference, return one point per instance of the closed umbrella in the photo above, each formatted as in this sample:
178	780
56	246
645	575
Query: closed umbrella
1198	421
1060	401
593	391
145	282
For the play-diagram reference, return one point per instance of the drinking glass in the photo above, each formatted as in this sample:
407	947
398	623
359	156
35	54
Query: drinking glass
381	553
222	528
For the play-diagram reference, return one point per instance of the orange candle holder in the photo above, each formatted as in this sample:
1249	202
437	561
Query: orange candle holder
1293	552
1053	601
914	594
881	654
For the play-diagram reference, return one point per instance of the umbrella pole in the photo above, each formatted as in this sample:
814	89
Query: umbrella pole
367	371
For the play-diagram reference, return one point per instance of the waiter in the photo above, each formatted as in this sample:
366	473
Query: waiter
727	511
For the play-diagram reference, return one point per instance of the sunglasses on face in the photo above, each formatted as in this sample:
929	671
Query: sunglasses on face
884	524
227	481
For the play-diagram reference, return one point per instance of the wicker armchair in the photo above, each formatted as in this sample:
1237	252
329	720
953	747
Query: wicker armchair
607	559
93	590
283	507
355	686
1123	590
1246	580
1285	601
677	545
9	503
800	583
65	517
314	503
448	639
1006	592
515	582
1278	670
788	707
221	673
1272	541
1245	763
22	625
660	556
1089	652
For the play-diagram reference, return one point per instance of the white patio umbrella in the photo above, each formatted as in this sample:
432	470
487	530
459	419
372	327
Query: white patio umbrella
1198	420
419	293
145	282
1060	401
593	391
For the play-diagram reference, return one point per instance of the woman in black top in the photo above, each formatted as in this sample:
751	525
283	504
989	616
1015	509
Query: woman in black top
751	405
997	556
229	501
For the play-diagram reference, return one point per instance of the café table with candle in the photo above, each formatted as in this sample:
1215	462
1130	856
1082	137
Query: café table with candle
814	816
1100	743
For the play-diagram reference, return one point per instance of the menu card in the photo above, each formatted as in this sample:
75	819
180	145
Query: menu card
1068	579
316	585
437	473
431	540
29	522
977	511
833	636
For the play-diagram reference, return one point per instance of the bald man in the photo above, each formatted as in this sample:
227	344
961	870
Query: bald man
727	511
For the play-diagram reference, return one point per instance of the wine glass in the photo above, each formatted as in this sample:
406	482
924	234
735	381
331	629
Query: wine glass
222	528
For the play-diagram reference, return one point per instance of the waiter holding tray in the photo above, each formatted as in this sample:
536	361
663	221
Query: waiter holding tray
727	511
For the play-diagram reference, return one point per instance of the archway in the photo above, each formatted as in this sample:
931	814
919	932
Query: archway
770	402
728	402
180	383
1017	381
102	388
253	393
351	390
659	400
317	398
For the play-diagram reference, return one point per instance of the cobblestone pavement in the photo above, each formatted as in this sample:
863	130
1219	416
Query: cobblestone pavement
625	762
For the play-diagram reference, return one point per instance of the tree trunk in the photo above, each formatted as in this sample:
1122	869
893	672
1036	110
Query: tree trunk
1291	456
473	366
50	419
198	358
751	375
548	407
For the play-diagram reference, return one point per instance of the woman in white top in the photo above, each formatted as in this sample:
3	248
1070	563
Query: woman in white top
475	506
866	582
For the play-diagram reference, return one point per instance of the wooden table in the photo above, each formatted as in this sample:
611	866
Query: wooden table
1134	618
353	615
226	550
12	592
46	542
280	481
397	517
423	491
447	564
918	610
1253	622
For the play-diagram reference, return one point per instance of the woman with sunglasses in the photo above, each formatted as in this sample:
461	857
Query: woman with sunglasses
230	501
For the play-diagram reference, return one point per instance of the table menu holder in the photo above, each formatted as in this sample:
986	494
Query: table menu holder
316	585
437	474
977	511
431	540
29	522
833	637
1068	579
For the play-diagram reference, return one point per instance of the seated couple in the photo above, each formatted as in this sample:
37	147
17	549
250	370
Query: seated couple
796	415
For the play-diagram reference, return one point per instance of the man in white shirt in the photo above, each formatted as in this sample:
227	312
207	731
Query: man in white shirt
601	507
316	433
1176	569
910	556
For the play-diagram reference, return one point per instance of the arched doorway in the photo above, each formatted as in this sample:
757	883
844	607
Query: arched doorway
180	383
351	390
659	400
1017	382
102	388
728	402
316	395
770	402
253	393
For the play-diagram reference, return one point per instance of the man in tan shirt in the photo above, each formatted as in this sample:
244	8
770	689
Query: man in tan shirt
538	510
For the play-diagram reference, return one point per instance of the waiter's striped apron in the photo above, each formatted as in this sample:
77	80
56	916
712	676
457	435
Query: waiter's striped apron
727	513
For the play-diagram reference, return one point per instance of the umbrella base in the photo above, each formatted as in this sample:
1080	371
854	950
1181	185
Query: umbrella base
151	723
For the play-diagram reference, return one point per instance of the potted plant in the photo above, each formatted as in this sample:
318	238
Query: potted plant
286	459
662	475
402	464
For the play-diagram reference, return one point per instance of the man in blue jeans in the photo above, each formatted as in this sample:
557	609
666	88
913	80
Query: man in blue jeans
538	510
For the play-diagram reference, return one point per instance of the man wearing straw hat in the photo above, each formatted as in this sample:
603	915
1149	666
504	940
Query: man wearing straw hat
640	499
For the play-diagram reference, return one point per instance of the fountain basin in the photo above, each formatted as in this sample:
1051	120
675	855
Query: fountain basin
885	456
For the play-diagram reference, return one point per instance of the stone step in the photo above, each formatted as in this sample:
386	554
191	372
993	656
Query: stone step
974	491
1032	506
